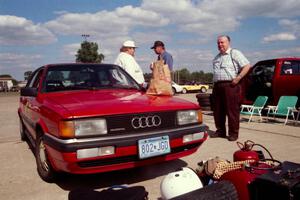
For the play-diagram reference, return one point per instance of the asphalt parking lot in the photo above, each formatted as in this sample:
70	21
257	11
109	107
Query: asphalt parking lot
19	178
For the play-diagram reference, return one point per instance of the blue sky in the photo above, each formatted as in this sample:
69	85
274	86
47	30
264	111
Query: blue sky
37	32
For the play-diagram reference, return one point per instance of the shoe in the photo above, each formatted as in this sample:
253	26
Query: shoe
232	138
216	135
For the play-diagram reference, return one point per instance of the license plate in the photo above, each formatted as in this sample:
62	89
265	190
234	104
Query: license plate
151	147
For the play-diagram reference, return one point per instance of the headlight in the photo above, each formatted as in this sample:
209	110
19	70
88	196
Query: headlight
84	127
189	117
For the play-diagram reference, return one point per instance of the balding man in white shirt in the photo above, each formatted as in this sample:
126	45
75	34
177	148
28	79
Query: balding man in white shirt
229	67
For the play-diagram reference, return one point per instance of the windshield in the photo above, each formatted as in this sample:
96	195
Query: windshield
261	80
94	77
264	71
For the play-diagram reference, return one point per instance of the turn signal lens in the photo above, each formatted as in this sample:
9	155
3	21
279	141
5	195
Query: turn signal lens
82	127
200	116
67	129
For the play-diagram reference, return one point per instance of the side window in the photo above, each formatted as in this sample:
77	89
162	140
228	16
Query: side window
290	67
35	80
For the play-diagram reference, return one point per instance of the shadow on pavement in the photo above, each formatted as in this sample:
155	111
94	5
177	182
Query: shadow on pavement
135	192
92	182
89	185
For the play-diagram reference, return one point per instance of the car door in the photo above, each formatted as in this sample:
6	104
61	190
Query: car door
30	104
288	79
260	80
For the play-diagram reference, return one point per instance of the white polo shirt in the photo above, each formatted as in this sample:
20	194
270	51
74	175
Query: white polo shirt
223	67
128	63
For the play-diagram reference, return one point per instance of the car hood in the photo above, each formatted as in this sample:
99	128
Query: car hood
108	102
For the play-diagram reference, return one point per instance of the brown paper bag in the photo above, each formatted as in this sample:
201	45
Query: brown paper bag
160	84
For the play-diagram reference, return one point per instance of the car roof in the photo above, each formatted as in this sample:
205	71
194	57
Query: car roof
78	64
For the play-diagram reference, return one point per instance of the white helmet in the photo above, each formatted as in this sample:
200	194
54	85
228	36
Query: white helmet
179	182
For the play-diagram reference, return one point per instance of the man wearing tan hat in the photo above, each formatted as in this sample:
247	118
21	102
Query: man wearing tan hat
159	49
126	60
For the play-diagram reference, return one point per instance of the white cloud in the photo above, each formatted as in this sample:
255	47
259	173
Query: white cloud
291	25
20	31
192	16
70	50
292	31
106	23
279	37
210	17
242	9
168	6
141	16
142	38
17	59
271	54
16	64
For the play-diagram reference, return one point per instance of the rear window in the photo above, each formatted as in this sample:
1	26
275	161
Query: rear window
290	67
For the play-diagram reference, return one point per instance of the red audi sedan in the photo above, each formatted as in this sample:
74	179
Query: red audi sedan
91	118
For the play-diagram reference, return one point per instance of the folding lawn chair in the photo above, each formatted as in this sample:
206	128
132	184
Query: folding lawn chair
284	108
256	108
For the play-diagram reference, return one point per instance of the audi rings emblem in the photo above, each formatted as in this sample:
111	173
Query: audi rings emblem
145	121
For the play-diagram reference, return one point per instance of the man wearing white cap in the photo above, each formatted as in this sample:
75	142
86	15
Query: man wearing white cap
126	60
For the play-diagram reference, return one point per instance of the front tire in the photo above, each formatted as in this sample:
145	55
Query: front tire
203	90
173	91
44	167
184	91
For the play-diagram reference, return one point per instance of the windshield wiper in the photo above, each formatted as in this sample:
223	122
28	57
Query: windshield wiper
130	87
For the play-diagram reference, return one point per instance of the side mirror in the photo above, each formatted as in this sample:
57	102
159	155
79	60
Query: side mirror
144	87
31	92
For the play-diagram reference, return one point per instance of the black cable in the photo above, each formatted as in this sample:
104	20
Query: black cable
254	144
265	150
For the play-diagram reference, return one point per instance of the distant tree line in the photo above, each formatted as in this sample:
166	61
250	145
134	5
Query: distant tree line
184	76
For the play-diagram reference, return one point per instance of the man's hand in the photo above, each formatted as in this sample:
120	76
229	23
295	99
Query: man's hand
151	66
243	73
236	80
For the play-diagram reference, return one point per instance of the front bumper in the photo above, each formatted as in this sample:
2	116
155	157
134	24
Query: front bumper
63	157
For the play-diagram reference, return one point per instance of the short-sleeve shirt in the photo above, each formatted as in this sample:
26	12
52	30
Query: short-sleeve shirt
223	67
168	59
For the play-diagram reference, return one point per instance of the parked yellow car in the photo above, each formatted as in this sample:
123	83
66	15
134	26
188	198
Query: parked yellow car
194	88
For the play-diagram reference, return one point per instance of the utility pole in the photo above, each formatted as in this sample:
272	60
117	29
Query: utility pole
85	36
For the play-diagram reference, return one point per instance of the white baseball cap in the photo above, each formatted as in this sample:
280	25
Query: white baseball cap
129	43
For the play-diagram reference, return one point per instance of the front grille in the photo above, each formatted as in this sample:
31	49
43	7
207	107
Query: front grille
133	158
123	123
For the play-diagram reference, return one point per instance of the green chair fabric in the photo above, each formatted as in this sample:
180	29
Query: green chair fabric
256	108
284	108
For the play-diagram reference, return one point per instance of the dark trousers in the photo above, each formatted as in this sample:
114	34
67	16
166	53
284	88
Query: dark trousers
226	102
